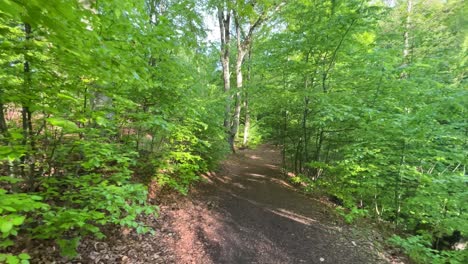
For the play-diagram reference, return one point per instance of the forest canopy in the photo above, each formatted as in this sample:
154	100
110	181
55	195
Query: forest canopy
105	103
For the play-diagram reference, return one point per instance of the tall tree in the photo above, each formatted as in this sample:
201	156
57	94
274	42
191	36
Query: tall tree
224	19
249	16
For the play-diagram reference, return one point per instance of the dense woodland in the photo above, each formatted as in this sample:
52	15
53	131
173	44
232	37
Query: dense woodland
104	103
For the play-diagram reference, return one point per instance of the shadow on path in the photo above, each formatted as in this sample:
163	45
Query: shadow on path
261	219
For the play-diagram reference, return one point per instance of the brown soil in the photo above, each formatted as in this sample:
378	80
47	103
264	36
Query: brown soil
245	213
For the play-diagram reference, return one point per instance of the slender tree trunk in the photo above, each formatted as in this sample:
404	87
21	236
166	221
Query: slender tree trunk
319	143
304	129
247	120
238	105
246	102
407	39
3	125
398	185
284	135
224	18
28	135
237	111
242	46
297	162
306	115
406	50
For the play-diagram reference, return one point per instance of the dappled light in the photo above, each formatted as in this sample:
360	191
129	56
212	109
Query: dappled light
238	185
129	128
260	213
293	216
256	175
254	157
271	166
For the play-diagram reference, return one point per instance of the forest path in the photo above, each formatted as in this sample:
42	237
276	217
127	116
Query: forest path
247	214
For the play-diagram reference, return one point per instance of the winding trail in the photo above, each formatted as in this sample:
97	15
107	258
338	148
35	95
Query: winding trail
247	214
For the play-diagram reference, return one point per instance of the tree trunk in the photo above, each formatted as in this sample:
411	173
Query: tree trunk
305	115
398	184
304	129
407	48
247	120
243	44
3	125
406	38
284	134
26	114
241	48
239	84
297	162
319	143
246	103
224	18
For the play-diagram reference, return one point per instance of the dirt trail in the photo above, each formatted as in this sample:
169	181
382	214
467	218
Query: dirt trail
247	214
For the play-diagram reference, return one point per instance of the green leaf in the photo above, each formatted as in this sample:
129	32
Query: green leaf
63	123
10	179
67	97
18	220
6	243
24	256
10	259
68	247
10	8
6	226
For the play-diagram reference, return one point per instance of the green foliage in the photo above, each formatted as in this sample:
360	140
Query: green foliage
353	214
381	131
303	181
13	213
418	248
15	210
22	258
179	171
68	247
100	97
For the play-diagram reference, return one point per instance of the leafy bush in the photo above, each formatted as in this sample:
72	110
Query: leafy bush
419	249
15	210
352	215
87	130
102	194
22	258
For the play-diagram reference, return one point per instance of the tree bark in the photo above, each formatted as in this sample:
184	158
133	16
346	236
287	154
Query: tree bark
407	47
304	129
243	44
318	143
406	39
239	84
224	17
244	40
3	125
284	135
26	114
246	103
247	120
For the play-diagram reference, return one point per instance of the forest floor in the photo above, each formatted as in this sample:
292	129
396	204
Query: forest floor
244	213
